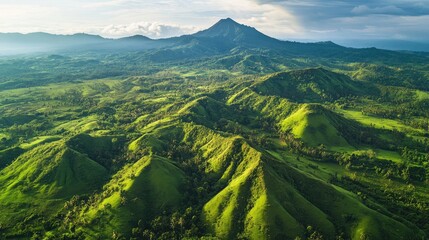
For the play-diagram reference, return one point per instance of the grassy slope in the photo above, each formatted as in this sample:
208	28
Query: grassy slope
269	106
268	199
43	178
137	192
377	122
51	169
315	125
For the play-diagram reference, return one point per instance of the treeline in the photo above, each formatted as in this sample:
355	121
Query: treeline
403	201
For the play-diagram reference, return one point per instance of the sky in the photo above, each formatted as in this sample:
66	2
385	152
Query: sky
312	20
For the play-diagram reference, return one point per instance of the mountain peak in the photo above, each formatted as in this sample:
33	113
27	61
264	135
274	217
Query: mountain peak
226	28
230	30
135	38
227	21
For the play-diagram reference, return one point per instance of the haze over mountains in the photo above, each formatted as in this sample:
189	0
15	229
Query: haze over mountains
223	36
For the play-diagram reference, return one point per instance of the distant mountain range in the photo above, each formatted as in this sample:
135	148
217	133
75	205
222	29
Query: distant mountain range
222	37
397	45
226	31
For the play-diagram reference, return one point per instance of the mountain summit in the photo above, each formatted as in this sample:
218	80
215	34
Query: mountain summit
230	30
227	28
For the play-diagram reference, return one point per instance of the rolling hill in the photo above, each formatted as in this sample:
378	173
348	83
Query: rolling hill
311	85
223	134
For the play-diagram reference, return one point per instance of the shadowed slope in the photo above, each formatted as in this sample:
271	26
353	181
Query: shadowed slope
310	85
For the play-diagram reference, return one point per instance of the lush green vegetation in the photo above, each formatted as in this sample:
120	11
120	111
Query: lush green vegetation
215	142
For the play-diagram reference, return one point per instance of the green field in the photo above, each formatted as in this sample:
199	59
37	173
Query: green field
377	122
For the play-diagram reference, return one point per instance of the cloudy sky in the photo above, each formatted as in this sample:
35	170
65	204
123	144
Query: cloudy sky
284	19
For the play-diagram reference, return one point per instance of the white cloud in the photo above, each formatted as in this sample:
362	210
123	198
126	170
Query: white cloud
269	18
285	19
152	30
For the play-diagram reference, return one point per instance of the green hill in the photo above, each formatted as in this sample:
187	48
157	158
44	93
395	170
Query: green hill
136	193
316	125
99	148
51	169
310	85
44	178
